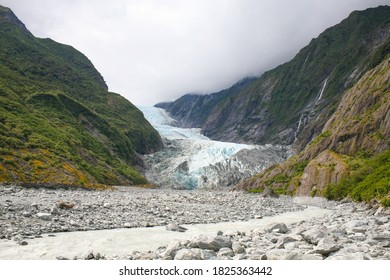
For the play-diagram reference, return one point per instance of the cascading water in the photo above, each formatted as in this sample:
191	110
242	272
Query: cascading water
309	110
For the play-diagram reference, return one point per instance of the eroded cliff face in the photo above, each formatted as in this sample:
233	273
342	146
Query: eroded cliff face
359	127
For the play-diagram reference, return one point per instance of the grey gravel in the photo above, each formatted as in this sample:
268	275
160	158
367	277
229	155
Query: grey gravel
351	231
30	212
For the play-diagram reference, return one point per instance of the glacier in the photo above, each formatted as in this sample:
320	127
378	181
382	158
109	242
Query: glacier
191	160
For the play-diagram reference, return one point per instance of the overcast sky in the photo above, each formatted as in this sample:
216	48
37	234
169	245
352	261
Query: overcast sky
157	50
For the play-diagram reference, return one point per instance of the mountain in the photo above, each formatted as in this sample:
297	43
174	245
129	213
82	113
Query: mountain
351	157
291	103
59	124
193	110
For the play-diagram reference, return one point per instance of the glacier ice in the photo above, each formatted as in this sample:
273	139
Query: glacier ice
191	160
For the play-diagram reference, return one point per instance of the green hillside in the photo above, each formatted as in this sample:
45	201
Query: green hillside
351	157
290	104
58	122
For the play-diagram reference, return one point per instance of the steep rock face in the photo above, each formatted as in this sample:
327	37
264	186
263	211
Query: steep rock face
358	130
193	110
291	103
325	169
58	123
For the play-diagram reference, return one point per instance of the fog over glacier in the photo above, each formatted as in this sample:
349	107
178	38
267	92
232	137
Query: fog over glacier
191	160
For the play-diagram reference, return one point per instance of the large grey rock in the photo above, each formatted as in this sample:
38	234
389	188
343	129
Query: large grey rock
349	256
326	246
284	240
225	252
208	255
175	227
268	192
315	234
283	254
173	248
211	242
237	248
279	228
381	236
189	254
356	226
44	216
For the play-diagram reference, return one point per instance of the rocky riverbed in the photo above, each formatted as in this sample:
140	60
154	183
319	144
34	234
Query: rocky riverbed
29	212
347	231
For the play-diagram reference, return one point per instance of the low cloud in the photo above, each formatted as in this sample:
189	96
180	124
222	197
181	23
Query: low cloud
151	51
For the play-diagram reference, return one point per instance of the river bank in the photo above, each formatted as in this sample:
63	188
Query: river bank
132	223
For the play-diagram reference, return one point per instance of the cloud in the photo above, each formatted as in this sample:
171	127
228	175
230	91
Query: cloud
156	50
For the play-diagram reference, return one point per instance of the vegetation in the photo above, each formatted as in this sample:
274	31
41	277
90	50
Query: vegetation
267	109
350	158
370	179
58	122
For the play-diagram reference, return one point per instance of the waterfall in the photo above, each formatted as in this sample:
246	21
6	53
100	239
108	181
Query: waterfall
321	92
309	109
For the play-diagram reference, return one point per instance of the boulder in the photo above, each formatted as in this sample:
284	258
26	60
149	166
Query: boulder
189	254
214	243
44	216
279	228
283	240
283	254
349	256
268	192
173	248
326	246
238	248
225	252
315	234
175	227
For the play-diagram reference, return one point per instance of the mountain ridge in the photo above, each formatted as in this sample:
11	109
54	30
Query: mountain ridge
59	123
282	105
351	155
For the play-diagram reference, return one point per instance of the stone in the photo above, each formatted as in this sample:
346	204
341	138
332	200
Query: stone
175	227
54	210
315	234
225	252
283	254
237	248
61	258
26	214
208	255
381	236
173	248
283	240
189	254
268	192
23	243
214	243
356	223
146	256
279	228
44	216
65	205
357	236
349	256
326	246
